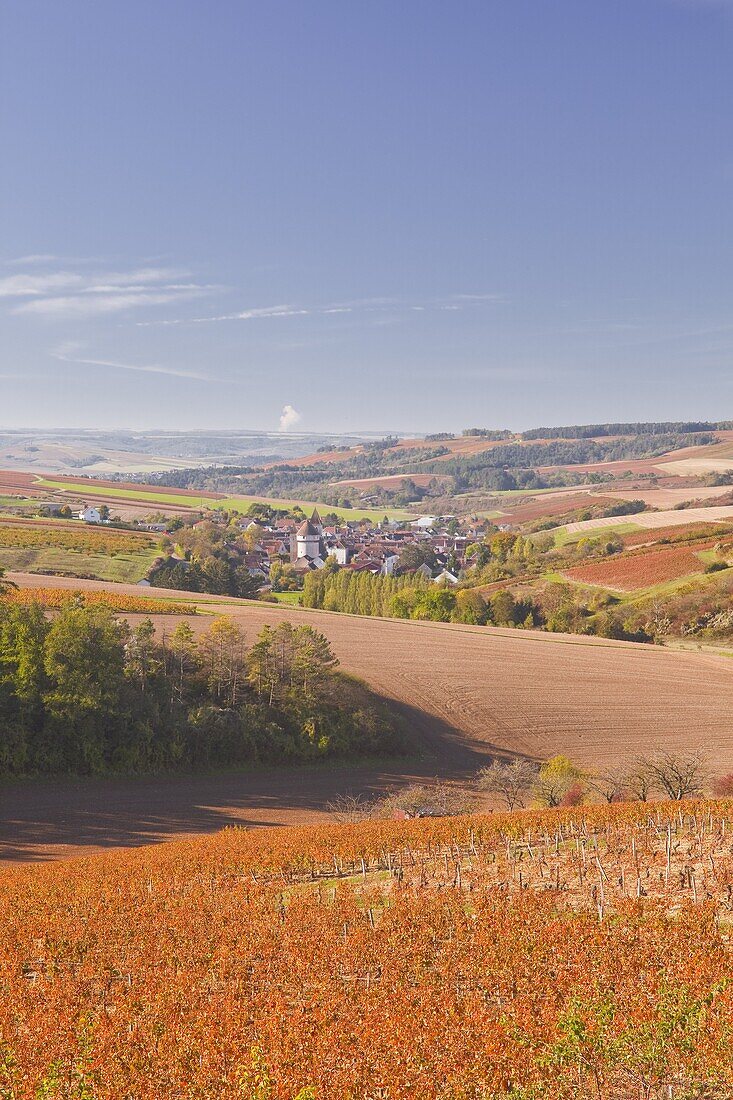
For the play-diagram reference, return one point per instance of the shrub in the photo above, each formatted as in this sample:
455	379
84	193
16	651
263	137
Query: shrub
723	787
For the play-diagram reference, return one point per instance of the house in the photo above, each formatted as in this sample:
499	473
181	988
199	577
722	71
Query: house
338	551
446	577
389	564
89	515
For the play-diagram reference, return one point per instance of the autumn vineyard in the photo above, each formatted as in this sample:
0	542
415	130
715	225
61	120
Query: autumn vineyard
563	953
55	598
82	538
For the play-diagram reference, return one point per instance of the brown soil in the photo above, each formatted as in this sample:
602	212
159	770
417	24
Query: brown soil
550	505
14	480
617	467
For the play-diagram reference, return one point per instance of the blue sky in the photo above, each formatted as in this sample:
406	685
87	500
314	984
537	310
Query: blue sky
414	216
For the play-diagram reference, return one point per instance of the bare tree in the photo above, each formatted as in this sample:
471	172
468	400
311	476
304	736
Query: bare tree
639	780
426	800
348	809
679	775
612	784
511	780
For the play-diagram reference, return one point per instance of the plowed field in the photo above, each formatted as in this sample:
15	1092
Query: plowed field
466	692
695	530
641	570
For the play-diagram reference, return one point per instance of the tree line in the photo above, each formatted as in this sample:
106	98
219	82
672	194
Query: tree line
412	596
85	693
663	427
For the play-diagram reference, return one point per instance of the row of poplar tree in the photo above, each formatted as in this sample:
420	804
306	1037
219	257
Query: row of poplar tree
83	692
412	596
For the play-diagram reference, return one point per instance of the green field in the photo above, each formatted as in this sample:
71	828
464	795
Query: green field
88	489
127	568
290	598
17	502
563	536
241	504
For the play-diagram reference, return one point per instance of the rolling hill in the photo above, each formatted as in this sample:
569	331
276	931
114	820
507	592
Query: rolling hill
466	693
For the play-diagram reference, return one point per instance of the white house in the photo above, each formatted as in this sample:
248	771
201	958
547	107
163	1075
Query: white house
389	564
338	551
446	577
89	515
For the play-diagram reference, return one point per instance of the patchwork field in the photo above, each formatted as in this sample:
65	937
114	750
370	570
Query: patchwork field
18	482
112	491
71	535
150	499
668	496
651	520
693	461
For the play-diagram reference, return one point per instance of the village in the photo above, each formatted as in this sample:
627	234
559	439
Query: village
436	547
276	548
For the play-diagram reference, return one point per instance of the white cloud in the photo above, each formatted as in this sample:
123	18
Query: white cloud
69	294
242	315
392	306
95	304
289	418
65	354
22	286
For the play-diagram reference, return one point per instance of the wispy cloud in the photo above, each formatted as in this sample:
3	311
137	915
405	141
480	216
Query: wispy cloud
71	294
32	258
289	418
66	354
479	297
21	286
393	307
89	305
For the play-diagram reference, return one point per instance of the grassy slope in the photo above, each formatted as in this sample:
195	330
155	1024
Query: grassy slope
127	568
623	527
291	598
89	489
